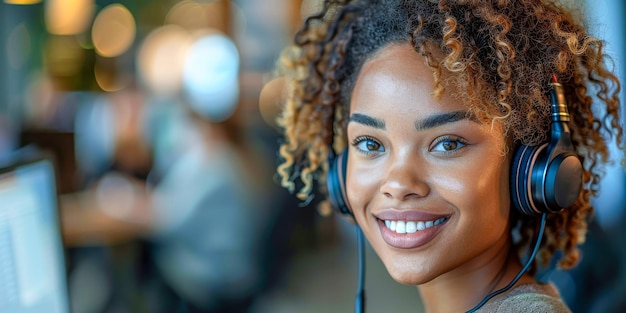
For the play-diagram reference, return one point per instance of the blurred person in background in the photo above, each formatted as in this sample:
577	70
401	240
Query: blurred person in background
210	195
205	208
210	216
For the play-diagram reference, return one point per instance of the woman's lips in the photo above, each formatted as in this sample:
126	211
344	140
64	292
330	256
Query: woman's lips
409	229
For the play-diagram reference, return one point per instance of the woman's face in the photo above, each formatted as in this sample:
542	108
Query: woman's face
427	183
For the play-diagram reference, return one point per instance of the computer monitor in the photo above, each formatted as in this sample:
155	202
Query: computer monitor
32	261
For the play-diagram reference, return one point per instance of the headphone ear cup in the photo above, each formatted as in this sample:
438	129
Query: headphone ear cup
563	181
336	183
521	180
543	182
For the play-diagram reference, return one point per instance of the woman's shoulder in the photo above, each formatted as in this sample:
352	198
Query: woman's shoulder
528	298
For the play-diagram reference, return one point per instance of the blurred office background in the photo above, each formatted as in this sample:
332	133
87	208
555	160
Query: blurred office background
160	115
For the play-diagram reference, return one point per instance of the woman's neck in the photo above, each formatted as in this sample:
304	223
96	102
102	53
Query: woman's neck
461	289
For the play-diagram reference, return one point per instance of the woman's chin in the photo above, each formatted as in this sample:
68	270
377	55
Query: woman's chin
407	277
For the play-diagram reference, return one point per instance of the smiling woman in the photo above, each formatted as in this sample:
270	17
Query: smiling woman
450	121
423	170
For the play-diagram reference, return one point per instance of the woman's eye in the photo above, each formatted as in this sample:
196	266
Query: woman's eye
448	145
368	145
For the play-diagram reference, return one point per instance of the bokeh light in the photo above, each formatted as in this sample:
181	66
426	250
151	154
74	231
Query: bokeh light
272	96
113	30
160	60
211	76
193	15
110	75
25	2
68	17
116	196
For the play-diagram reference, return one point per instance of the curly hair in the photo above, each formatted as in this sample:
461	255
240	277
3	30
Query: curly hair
497	54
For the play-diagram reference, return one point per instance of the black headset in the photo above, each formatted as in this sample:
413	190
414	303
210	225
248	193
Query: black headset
548	178
544	179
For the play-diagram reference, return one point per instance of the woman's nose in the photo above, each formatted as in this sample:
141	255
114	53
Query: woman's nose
405	179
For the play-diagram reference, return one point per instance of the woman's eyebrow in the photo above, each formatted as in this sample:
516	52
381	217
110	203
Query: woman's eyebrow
367	120
444	118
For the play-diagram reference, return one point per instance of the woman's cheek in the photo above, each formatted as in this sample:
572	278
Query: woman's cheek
361	184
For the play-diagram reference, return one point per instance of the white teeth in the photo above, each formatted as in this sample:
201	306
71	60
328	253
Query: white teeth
401	227
404	227
411	227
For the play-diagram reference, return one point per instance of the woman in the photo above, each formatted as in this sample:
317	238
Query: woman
444	110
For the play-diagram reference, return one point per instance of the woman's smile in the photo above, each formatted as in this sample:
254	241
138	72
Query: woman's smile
409	229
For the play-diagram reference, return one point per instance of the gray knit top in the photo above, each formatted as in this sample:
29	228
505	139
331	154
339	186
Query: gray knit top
537	298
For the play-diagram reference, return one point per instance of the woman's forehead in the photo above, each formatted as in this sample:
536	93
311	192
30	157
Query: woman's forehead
398	76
